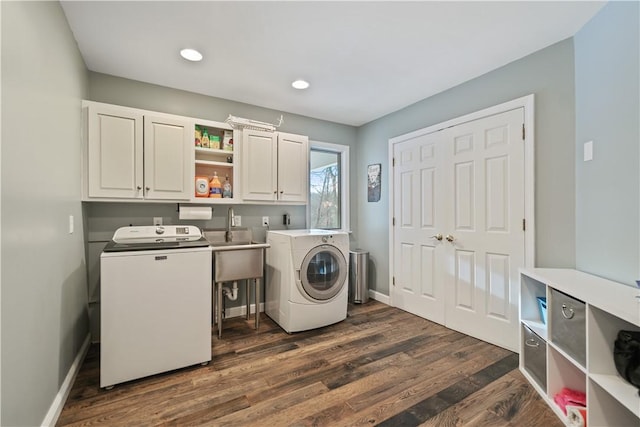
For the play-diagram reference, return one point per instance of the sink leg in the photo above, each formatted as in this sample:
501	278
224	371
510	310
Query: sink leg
246	289
257	292
219	289
214	311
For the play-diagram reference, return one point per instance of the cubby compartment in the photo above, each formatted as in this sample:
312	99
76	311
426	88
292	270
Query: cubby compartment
210	161
535	356
222	134
605	410
563	373
530	314
209	168
603	330
568	325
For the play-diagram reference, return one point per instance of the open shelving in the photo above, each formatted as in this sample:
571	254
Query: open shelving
607	307
222	162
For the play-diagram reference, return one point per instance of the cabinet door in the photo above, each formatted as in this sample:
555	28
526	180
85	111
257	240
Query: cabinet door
293	167
259	163
115	150
167	158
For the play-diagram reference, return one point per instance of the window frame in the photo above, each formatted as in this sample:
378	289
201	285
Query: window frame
343	151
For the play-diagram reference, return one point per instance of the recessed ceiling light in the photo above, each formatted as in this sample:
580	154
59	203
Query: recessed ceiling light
191	54
300	84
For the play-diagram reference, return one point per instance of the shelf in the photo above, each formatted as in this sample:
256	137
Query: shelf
213	151
538	327
620	390
605	410
213	201
563	372
214	163
567	357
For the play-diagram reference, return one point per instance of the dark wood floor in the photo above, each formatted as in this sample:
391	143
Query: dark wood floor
381	366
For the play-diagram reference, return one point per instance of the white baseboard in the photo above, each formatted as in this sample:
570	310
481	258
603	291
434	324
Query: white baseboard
379	297
58	403
242	310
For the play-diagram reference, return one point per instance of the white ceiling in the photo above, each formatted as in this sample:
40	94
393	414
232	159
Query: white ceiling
363	59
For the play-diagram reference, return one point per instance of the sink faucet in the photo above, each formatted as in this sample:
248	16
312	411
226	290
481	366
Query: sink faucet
231	222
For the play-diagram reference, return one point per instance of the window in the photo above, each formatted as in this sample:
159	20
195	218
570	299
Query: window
328	186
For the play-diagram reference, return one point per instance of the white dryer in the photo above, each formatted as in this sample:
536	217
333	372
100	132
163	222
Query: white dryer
306	278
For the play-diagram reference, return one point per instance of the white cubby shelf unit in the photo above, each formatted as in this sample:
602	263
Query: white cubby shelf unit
581	359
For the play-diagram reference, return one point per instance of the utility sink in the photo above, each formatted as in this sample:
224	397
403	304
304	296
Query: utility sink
235	255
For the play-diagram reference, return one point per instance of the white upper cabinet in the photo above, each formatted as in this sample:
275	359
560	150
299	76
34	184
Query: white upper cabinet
293	167
130	155
275	166
167	158
114	152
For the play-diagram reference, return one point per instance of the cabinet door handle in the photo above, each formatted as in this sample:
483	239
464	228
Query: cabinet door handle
139	188
566	309
148	188
438	237
450	238
532	343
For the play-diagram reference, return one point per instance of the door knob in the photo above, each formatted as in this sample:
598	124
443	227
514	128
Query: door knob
450	238
438	237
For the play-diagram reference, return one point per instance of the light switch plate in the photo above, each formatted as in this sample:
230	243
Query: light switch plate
71	224
588	151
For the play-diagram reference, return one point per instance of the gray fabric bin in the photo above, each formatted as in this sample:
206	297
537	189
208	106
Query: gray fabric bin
535	356
568	325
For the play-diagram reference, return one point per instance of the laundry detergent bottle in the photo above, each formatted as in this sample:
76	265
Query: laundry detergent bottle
215	188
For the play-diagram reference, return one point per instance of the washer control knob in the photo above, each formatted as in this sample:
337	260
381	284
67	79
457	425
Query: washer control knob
159	230
324	239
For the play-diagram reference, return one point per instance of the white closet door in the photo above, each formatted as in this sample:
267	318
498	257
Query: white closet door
419	218
465	183
485	188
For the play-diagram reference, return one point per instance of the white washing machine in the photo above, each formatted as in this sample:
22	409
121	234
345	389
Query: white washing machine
306	278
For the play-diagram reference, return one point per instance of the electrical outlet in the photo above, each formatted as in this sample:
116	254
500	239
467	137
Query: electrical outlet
237	220
157	220
265	221
286	219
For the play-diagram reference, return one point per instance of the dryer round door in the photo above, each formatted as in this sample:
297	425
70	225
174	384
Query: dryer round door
323	272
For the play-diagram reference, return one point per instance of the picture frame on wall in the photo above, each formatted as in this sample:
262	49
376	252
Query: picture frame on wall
373	182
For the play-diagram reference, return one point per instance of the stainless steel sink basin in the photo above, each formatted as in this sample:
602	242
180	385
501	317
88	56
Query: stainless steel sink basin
235	255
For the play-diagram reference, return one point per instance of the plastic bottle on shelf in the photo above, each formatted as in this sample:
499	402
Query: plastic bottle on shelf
226	189
227	142
215	188
205	139
215	142
198	136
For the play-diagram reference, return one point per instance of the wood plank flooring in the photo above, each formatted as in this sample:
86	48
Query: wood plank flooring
381	366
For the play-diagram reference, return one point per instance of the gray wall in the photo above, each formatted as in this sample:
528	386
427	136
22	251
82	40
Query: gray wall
608	113
103	218
549	74
44	295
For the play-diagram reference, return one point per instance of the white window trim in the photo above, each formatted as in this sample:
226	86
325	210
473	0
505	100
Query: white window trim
343	150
